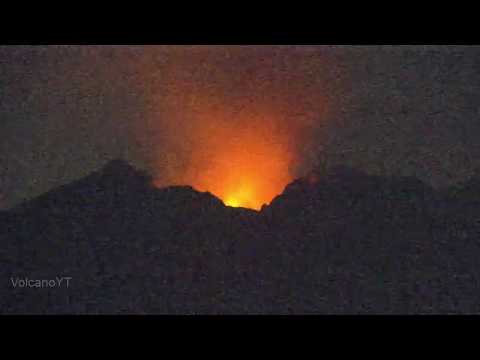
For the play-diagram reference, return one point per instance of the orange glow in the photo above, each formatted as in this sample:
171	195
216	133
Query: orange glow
232	124
243	162
245	178
245	171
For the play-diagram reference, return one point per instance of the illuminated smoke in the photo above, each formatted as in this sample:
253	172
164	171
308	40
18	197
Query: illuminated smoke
234	121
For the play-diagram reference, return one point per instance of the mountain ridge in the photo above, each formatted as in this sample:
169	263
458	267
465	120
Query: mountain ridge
338	241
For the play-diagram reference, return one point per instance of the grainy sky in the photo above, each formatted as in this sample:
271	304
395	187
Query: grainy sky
66	110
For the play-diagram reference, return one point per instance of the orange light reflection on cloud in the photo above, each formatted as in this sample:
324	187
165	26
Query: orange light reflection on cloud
232	121
244	162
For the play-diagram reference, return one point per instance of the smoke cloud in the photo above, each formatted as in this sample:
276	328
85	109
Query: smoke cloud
235	121
238	120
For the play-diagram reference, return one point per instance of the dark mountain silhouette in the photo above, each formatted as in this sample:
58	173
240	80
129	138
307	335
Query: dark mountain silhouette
336	241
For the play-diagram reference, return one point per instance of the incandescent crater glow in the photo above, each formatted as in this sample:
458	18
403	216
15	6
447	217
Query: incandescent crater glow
229	124
245	166
243	197
244	161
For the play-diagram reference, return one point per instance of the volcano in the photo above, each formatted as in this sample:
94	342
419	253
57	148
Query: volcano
337	241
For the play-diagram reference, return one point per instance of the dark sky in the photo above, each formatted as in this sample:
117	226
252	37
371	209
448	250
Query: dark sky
66	110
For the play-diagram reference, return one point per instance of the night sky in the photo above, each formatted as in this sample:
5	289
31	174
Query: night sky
67	110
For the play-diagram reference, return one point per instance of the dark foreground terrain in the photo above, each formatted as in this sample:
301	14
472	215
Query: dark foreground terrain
335	242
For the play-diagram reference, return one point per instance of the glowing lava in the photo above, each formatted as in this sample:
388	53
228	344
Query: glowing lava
225	122
241	198
244	161
247	194
244	166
